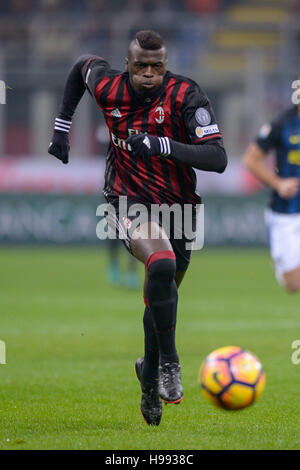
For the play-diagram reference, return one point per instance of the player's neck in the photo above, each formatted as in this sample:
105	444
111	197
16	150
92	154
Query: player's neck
144	97
144	94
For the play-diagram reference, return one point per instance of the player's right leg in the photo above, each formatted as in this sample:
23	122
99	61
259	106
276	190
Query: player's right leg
160	293
292	280
284	237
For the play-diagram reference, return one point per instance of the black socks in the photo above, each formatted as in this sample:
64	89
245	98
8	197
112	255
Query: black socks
160	313
151	356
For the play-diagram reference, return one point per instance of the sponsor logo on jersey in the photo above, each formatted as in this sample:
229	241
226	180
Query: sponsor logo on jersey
203	117
159	115
294	157
294	139
120	142
116	113
203	131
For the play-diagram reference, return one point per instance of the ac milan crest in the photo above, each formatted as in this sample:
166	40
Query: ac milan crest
127	222
159	115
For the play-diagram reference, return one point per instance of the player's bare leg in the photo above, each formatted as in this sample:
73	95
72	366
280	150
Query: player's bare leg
291	280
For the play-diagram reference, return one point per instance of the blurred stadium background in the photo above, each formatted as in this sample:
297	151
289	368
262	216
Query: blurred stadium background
244	54
72	338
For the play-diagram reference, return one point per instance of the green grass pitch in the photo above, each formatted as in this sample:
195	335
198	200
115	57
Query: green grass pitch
72	340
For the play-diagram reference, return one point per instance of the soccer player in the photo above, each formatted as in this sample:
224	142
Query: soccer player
283	215
161	126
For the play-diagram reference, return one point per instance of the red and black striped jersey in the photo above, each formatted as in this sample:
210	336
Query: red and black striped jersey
179	110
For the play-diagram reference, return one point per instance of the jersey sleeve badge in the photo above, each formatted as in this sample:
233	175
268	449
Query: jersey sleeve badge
203	117
206	130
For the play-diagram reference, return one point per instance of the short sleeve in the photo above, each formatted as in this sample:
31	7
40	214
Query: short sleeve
199	117
268	136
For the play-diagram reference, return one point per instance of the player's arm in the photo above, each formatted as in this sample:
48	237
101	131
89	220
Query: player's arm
86	73
254	160
205	150
206	157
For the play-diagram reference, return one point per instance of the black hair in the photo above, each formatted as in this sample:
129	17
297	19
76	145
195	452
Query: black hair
150	40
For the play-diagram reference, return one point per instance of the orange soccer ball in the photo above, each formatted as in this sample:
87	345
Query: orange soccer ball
231	378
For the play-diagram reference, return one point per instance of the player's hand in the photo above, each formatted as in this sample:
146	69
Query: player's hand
145	145
59	146
287	188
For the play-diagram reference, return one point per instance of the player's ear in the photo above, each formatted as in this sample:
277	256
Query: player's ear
126	64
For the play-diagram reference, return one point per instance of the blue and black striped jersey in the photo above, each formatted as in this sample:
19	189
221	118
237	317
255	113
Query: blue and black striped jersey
283	136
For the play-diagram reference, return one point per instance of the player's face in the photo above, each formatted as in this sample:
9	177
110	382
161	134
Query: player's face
146	68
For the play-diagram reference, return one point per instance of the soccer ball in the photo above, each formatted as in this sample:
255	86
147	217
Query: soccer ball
231	378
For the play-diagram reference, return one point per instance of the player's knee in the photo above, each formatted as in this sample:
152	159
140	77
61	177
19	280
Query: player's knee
161	286
161	266
292	286
292	282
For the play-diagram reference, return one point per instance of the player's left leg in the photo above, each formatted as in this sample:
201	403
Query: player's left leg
160	294
154	249
284	237
160	290
292	280
160	342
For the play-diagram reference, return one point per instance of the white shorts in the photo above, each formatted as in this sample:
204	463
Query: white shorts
284	239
